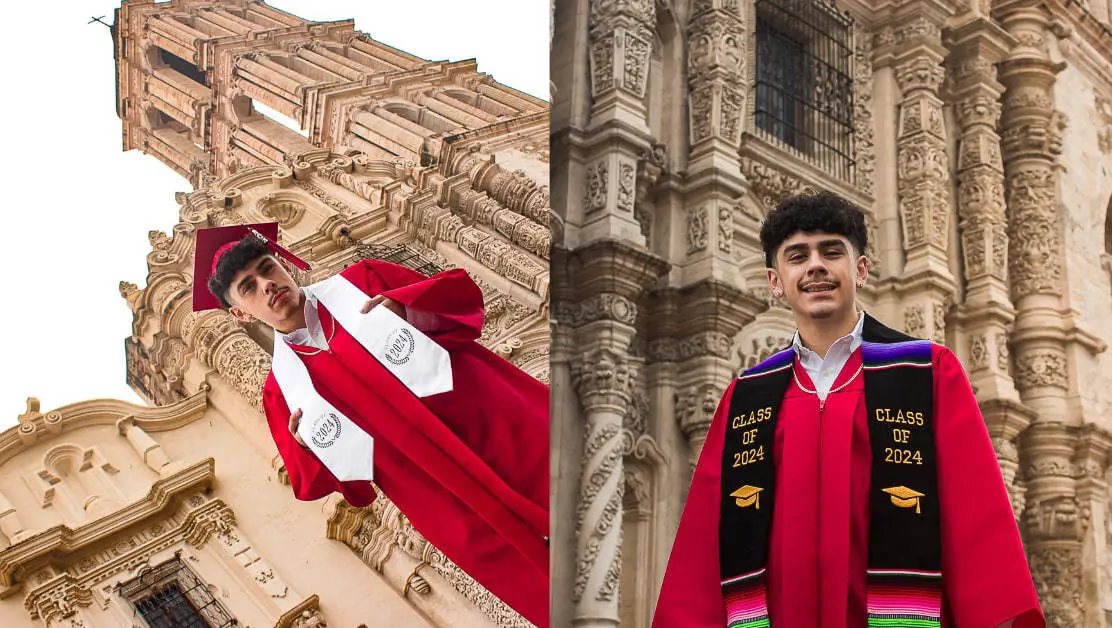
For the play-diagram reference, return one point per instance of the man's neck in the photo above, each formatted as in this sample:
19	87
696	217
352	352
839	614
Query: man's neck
818	335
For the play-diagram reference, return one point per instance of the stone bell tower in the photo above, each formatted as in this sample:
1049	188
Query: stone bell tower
191	72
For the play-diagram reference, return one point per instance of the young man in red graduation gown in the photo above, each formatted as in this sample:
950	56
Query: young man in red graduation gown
849	480
468	467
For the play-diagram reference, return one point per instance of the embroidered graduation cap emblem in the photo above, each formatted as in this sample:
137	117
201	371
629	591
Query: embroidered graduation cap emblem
904	497
748	496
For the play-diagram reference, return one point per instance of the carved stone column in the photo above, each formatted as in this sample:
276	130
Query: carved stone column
1032	141
1031	132
514	190
977	45
604	379
220	343
610	277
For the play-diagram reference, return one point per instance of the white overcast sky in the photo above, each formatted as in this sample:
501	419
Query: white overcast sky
77	209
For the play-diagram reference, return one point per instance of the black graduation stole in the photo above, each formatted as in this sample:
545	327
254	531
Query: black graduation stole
905	546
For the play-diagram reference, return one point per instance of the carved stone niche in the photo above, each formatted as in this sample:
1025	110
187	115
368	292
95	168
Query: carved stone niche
285	207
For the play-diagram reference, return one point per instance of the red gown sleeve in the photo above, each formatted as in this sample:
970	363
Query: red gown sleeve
986	577
691	594
309	479
451	298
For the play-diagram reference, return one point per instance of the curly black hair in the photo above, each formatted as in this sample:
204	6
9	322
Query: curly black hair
236	259
826	212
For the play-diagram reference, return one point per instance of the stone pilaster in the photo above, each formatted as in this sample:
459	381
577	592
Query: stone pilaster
712	313
149	451
716	79
1093	449
916	52
911	44
621	40
977	45
10	524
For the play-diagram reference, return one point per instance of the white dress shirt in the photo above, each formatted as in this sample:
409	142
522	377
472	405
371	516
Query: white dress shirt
312	335
823	371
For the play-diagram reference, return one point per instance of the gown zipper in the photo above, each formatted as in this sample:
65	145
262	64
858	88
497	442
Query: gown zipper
818	526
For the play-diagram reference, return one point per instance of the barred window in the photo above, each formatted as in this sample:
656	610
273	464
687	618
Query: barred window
172	596
399	254
804	84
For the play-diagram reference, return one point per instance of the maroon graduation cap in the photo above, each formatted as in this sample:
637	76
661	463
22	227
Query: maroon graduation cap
213	243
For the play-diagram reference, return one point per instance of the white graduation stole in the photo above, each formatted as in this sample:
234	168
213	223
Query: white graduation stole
421	365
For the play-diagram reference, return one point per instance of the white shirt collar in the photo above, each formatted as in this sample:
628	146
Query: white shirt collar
312	335
856	337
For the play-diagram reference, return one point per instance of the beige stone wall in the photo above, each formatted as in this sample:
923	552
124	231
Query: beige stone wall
1086	194
98	491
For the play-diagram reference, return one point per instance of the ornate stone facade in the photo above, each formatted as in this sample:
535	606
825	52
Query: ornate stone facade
427	164
980	157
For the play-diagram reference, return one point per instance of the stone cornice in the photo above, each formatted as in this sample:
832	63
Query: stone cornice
62	540
290	617
977	36
18	439
610	266
1091	55
780	161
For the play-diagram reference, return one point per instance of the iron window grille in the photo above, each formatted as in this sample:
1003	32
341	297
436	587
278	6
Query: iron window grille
172	596
804	81
399	254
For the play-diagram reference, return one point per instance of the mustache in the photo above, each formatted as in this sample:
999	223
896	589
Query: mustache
826	280
277	294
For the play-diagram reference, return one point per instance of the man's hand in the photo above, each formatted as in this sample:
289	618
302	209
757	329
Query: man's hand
295	418
389	304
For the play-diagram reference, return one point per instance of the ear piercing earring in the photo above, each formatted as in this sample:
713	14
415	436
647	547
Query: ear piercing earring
777	294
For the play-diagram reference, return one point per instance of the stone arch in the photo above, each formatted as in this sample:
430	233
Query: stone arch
420	115
77	480
475	99
466	97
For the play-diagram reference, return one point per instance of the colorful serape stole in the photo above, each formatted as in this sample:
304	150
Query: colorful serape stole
748	478
904	599
904	579
746	601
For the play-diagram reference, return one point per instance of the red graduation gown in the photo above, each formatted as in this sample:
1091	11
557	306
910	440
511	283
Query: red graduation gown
468	468
818	550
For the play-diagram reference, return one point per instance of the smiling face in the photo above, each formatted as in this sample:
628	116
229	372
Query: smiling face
264	290
818	273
